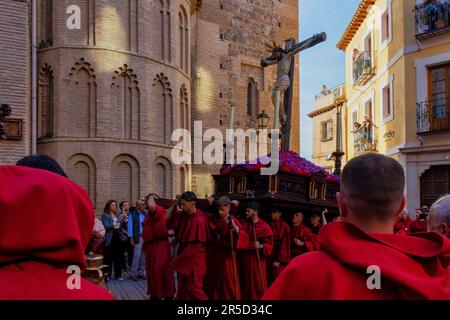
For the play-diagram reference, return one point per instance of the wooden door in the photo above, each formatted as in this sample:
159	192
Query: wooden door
439	88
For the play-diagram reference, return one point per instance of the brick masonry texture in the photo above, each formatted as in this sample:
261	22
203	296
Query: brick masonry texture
111	93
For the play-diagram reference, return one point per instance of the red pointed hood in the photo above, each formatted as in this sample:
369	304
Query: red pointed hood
43	216
417	265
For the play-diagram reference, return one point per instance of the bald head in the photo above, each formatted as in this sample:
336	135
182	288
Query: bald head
439	217
373	186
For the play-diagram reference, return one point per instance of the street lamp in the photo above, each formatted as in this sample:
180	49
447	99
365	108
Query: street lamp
338	154
263	120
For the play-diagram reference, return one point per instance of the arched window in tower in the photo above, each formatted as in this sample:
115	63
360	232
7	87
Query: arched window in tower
126	104
163	34
162	178
45	103
82	170
181	40
252	98
184	40
161	114
45	27
122	17
80	118
125	177
184	108
183	180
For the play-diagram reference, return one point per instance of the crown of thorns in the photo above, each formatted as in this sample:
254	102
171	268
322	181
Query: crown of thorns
274	46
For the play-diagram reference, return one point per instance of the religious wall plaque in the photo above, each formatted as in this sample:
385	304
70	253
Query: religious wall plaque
13	129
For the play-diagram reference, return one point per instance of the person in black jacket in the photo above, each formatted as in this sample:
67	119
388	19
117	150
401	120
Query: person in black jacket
115	238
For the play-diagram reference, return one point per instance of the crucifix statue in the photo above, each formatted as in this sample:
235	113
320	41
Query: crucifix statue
283	89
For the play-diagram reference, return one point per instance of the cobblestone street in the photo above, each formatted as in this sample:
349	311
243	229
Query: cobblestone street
128	289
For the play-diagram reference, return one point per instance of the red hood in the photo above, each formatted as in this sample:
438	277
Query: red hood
44	217
416	264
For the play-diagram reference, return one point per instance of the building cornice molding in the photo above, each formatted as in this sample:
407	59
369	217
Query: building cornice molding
320	111
356	22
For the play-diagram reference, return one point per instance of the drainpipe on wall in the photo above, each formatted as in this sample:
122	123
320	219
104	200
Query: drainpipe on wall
33	77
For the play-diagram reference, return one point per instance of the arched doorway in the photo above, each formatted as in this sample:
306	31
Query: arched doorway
434	183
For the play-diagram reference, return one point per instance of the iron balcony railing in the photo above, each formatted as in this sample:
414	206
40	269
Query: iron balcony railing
364	139
432	18
433	116
363	68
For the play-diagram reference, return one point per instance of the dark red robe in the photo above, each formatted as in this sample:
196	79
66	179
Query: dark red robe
160	281
281	248
402	226
418	226
304	234
46	223
316	229
192	235
222	277
410	267
252	284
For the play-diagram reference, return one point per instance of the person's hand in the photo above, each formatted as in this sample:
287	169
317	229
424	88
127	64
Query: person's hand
257	245
123	217
235	203
299	243
276	264
132	242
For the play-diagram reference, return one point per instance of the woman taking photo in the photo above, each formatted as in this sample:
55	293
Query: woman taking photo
115	238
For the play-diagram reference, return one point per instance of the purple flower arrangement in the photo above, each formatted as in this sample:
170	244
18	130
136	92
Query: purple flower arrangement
290	162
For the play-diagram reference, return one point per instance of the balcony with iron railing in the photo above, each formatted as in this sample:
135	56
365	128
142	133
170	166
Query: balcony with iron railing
433	116
363	68
364	139
432	19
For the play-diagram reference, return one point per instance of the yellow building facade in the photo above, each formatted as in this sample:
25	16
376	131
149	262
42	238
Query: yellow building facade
397	56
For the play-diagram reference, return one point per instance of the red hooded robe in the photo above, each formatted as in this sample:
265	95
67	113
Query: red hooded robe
281	248
45	225
252	285
160	281
411	267
418	226
304	234
222	277
192	235
402	226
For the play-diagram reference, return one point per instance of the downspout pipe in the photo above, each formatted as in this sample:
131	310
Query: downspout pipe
33	76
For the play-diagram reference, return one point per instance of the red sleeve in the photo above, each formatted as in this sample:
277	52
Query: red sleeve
174	222
310	240
147	234
267	239
284	253
267	246
242	240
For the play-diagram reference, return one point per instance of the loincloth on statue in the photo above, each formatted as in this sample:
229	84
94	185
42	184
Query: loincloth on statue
283	83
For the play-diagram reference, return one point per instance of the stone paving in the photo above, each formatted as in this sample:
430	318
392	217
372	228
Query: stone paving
128	289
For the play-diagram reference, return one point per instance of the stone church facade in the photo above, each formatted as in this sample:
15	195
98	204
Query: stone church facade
111	93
